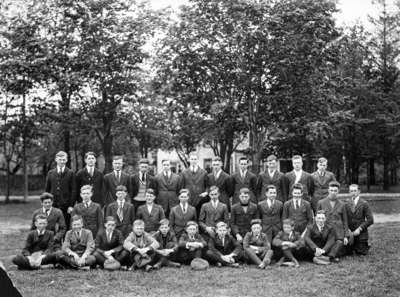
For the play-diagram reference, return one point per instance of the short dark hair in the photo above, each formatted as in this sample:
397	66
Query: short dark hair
321	211
165	160
243	158
244	191
40	217
182	191
90	154
269	187
298	186
118	157
151	191
76	218
288	222
121	188
45	196
355	185
213	188
322	160
144	161
110	219
272	158
334	184
217	159
297	157
164	222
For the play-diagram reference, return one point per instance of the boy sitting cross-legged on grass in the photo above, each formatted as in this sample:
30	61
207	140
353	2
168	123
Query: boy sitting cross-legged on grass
141	246
167	251
38	248
287	242
191	243
78	246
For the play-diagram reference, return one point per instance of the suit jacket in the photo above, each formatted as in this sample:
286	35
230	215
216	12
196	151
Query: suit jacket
336	217
168	242
305	180
80	245
96	181
55	223
302	216
240	220
35	243
224	184
261	241
145	240
167	190
249	181
110	184
178	219
150	183
320	185
151	220
231	245
279	180
184	239
324	239
361	216
209	215
92	216
102	244
62	186
128	211
271	217
294	237
196	183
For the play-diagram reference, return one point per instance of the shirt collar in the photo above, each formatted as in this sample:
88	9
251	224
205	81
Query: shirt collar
45	210
40	233
356	200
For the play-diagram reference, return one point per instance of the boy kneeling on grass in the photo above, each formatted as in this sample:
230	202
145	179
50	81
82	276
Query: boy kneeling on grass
38	248
191	243
141	246
288	242
256	246
78	247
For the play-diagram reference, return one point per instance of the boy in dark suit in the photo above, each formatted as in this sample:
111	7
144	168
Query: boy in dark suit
55	219
122	211
359	219
191	243
150	213
244	179
222	180
321	179
109	244
141	246
288	242
60	182
78	247
168	185
223	249
38	248
270	212
272	176
336	217
211	213
298	210
90	175
242	214
168	246
257	248
299	176
114	179
141	182
181	214
90	211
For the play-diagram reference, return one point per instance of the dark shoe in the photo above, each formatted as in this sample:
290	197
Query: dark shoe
173	264
157	266
334	260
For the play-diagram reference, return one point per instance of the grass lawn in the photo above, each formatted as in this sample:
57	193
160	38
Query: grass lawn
376	275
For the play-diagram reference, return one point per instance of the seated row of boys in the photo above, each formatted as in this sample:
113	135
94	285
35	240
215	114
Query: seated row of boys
299	236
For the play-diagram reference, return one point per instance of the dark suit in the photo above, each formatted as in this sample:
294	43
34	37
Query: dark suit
224	184
55	223
240	220
169	241
125	226
278	180
209	215
178	219
196	183
167	191
216	249
302	216
96	181
151	220
186	255
63	188
262	243
325	239
249	181
148	183
305	180
320	185
92	216
110	184
336	217
270	218
102	244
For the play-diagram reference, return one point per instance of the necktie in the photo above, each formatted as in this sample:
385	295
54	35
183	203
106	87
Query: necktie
223	241
109	236
91	171
87	205
47	212
184	209
78	235
118	176
119	212
298	204
353	205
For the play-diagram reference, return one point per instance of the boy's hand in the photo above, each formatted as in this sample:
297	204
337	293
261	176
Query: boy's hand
239	237
70	209
345	241
108	253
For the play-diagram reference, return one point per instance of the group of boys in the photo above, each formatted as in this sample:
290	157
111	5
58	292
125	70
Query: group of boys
213	218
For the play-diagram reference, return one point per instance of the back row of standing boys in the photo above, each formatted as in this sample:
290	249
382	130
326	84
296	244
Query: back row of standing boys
119	219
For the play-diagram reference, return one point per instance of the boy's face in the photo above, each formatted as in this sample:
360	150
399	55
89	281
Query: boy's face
271	194
332	193
150	198
110	226
287	228
47	203
214	195
193	160
297	164
143	167
191	230
354	191
222	231
90	160
320	219
138	229
216	165
120	195
244	198
243	165
41	224
322	166
166	165
77	225
256	228
164	229
297	193
86	195
117	164
61	161
183	198
271	164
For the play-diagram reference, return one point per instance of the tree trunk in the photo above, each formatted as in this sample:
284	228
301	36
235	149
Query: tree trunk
386	164
107	151
66	135
371	170
8	184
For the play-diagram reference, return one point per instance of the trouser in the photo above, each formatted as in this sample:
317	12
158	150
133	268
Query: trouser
185	256
138	260
23	263
360	247
69	261
271	232
122	257
262	257
67	217
215	258
165	259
